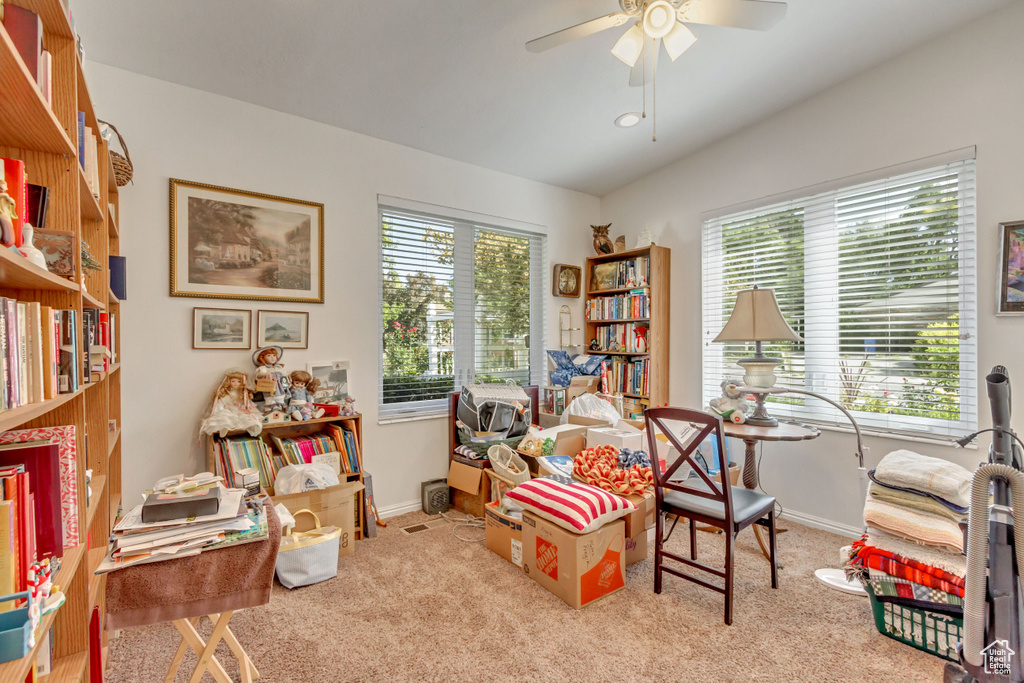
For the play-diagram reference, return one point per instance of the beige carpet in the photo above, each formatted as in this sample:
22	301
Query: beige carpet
429	607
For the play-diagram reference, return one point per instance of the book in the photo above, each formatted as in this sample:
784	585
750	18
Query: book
38	205
162	507
21	327
7	548
25	29
81	139
46	78
118	276
42	466
17	188
69	377
35	351
65	438
49	353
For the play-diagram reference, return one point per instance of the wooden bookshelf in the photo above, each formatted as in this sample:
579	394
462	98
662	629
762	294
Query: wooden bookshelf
296	428
45	137
659	289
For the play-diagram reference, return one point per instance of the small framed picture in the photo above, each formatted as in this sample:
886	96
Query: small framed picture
333	376
1011	269
221	328
287	329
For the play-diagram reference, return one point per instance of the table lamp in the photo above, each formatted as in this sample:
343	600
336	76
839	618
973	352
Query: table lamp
756	318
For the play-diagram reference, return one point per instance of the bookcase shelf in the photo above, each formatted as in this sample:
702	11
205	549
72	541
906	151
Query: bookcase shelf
17	272
45	137
658	288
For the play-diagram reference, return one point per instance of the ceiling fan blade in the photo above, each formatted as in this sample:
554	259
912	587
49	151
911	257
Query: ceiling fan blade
757	15
583	30
646	62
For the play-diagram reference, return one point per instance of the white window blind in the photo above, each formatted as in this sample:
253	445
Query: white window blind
461	298
879	278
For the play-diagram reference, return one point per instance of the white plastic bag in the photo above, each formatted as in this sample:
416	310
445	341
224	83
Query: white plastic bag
300	478
589	405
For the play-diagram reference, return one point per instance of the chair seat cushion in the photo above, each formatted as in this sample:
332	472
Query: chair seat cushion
579	508
747	505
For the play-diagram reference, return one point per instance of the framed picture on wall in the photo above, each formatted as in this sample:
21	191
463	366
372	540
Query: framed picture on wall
221	328
287	329
233	244
333	376
1011	268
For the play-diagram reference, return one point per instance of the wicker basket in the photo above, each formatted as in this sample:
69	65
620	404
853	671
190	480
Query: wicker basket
122	164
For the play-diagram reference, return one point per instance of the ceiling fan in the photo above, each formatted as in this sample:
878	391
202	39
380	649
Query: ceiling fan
663	22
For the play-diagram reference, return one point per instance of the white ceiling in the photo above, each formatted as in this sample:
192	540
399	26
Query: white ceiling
452	77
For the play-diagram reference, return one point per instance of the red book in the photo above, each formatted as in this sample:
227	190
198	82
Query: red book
96	647
17	188
26	31
42	466
9	481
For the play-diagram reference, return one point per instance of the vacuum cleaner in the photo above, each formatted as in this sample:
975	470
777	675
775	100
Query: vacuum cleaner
992	650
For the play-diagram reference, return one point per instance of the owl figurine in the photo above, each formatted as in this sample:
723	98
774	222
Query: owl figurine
602	245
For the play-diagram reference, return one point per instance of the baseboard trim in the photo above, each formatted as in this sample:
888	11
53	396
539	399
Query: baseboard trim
400	509
823	524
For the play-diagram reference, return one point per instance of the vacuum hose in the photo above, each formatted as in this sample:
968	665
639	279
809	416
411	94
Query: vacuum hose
977	551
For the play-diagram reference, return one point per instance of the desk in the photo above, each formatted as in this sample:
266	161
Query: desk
212	584
786	431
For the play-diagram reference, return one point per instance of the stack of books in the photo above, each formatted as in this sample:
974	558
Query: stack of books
137	542
38	347
242	452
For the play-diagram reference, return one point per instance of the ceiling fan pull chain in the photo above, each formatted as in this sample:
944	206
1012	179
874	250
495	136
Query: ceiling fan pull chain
643	58
654	99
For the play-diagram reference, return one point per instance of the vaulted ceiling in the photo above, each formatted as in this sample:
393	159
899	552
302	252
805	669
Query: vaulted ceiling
452	77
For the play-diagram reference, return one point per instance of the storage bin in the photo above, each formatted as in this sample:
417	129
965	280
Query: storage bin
15	629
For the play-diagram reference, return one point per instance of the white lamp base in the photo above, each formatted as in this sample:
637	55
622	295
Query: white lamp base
836	580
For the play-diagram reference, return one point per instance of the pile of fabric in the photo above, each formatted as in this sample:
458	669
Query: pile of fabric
912	551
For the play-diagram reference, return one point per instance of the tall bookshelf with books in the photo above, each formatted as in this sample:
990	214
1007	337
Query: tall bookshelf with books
627	318
59	327
331	440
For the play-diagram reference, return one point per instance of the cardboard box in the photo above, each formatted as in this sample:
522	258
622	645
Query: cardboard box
569	440
581	384
334	506
620	437
503	534
642	518
637	548
470	489
578	568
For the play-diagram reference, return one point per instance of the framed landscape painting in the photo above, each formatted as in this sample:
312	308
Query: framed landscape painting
232	244
287	329
221	328
1011	270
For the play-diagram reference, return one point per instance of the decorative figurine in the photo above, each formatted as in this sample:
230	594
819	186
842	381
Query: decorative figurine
29	250
645	239
300	405
620	244
602	245
594	346
272	384
640	339
631	278
348	407
731	405
232	408
8	212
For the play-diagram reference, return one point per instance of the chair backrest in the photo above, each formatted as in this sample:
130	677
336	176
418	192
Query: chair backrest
704	424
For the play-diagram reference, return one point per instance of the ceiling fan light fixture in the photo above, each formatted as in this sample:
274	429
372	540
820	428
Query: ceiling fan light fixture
659	18
628	120
627	48
678	41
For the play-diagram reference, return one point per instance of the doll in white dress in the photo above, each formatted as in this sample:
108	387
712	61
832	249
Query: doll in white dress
232	408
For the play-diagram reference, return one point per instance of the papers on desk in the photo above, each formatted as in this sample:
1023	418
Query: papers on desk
136	542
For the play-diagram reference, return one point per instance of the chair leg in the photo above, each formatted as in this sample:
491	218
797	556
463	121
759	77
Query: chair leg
730	537
693	540
658	532
771	549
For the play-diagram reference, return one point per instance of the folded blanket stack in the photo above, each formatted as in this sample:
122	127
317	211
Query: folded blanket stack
913	546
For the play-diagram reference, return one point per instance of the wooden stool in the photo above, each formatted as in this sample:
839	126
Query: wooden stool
190	638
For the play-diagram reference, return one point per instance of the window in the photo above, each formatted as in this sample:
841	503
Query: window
878	276
461	298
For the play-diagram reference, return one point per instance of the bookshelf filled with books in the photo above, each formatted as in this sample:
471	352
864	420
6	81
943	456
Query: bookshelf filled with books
60	403
627	319
337	441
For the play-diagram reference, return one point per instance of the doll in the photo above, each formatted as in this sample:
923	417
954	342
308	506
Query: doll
272	384
8	214
232	408
300	405
732	404
348	407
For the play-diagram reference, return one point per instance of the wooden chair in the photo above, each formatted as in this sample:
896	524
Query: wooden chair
703	500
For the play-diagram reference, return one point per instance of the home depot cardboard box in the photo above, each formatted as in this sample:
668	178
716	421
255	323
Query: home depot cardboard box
334	506
578	568
637	548
503	534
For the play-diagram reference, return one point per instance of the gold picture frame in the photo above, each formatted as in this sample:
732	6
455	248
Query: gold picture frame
263	249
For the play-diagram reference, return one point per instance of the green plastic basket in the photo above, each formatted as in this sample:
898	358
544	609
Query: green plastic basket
480	447
932	632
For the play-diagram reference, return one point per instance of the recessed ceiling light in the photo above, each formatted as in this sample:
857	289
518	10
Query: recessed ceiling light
628	120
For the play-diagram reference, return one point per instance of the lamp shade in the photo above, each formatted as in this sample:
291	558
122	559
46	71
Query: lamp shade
756	318
628	47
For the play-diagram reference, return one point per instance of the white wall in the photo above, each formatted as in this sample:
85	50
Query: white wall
178	132
959	90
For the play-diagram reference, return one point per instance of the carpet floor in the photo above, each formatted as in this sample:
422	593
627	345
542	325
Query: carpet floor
430	607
